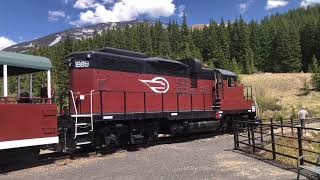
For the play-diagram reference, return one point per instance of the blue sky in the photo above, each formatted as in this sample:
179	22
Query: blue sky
24	20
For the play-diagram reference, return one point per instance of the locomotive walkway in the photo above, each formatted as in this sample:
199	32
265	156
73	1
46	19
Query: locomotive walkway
202	158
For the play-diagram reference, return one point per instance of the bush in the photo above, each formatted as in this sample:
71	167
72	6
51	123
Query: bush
316	81
305	88
293	113
267	103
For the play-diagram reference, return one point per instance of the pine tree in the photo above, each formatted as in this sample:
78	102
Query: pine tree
308	42
224	42
234	67
175	39
244	50
185	49
314	66
211	45
315	79
145	42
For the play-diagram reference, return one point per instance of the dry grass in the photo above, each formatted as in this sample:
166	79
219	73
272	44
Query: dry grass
282	93
290	151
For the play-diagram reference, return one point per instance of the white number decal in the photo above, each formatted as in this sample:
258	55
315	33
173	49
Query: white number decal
82	64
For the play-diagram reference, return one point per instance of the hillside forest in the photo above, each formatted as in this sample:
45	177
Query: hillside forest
288	42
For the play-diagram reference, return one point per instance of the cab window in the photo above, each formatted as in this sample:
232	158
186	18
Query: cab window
231	82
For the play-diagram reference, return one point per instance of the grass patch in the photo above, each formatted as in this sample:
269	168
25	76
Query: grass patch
268	103
282	147
283	93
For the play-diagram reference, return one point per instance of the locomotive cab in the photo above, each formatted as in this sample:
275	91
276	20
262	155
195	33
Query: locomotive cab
234	100
27	122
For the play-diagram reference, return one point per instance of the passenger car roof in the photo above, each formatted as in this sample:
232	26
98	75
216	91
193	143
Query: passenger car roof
23	63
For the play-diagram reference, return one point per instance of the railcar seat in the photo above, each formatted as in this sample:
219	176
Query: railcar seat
24	98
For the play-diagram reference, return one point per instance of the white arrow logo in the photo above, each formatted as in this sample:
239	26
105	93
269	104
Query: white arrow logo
157	84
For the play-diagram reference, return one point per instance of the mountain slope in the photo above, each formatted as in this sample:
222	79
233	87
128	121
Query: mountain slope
75	34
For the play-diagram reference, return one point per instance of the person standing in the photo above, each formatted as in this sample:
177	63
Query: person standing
302	115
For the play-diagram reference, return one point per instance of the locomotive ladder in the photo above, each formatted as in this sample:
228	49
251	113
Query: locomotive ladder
82	128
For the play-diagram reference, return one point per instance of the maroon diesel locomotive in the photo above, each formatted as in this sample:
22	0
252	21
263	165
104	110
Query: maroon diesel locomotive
120	97
116	97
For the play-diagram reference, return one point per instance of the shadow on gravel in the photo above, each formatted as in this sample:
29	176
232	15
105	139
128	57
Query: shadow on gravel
46	159
269	161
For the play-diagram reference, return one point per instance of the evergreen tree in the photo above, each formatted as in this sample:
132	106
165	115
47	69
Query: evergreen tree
224	42
185	46
315	79
145	42
314	66
234	67
245	53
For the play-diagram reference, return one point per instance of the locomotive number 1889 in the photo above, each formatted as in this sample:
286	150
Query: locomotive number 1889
82	64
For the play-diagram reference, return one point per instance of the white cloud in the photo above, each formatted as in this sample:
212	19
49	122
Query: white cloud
85	4
107	1
243	7
125	10
6	42
56	15
181	10
305	3
271	4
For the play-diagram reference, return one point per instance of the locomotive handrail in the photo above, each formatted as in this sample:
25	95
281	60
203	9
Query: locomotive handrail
154	92
75	110
91	108
256	105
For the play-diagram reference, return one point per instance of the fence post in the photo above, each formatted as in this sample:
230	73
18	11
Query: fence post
235	134
281	123
291	120
253	140
248	132
261	133
272	140
299	129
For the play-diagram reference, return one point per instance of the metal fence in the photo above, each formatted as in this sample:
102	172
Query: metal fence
282	140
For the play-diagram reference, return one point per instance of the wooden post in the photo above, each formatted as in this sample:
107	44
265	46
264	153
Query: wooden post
281	123
253	140
261	133
248	130
49	85
5	80
299	130
272	140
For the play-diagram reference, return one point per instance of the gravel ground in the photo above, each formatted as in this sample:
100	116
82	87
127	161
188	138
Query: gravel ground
207	158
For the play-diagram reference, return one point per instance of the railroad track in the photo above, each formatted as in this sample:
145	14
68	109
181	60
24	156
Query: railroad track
52	157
